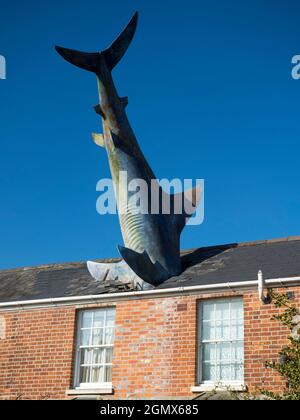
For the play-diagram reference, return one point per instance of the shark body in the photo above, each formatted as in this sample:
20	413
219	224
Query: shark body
152	241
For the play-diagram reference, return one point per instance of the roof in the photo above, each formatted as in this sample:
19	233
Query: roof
203	266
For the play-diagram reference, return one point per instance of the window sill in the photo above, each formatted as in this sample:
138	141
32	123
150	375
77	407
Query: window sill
219	387
90	391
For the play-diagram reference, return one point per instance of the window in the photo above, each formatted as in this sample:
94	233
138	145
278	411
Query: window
95	348
221	346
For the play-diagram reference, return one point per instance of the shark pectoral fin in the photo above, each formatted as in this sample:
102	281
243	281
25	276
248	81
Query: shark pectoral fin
99	111
124	101
98	139
110	272
142	265
98	271
184	205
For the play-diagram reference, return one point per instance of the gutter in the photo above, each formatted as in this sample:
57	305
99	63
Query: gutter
154	293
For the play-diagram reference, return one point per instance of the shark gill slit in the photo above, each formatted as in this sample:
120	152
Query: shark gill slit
133	225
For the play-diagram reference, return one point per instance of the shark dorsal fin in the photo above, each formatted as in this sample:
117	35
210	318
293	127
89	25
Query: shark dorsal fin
99	111
124	101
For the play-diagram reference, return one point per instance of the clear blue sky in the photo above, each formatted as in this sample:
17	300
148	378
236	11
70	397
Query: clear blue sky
210	96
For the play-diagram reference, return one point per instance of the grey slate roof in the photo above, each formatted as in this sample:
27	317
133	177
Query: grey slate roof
211	265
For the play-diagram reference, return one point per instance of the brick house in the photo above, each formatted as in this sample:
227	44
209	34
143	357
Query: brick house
65	336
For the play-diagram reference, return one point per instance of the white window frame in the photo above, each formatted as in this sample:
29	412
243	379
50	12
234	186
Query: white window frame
91	385
204	385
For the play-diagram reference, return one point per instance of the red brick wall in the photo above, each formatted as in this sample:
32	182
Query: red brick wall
263	341
155	348
36	355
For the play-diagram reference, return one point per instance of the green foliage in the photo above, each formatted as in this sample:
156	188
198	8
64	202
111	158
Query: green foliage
289	365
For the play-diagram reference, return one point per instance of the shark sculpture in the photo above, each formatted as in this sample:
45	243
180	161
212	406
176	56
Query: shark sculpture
152	239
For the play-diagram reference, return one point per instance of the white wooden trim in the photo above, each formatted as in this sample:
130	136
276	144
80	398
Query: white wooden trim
90	391
146	294
230	386
200	341
87	386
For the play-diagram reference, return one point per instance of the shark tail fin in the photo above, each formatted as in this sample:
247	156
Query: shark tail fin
118	48
83	60
142	265
113	54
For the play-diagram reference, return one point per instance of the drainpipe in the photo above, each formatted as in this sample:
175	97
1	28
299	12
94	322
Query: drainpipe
264	297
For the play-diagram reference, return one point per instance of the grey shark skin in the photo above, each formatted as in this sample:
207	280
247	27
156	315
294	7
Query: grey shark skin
152	241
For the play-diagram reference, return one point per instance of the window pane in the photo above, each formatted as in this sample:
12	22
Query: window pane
109	335
209	352
239	372
226	333
222	331
84	375
108	372
85	337
224	351
97	374
226	372
222	311
109	356
240	332
97	337
234	330
87	319
237	330
86	357
99	319
208	331
98	356
208	311
237	309
110	318
238	351
218	330
209	372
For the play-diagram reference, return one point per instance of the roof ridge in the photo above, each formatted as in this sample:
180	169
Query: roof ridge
246	243
82	264
270	241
